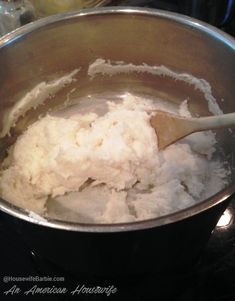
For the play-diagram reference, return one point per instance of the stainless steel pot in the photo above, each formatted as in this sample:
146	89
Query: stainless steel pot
55	45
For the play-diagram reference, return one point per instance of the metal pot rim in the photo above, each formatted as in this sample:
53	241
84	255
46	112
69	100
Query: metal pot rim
140	225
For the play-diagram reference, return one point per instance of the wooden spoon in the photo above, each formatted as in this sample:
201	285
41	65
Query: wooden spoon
169	127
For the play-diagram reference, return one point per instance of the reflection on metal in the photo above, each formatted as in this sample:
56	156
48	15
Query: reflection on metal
225	219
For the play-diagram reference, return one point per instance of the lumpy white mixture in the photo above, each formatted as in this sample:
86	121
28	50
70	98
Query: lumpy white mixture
107	168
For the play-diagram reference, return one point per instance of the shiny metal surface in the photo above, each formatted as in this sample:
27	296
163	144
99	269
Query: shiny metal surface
55	45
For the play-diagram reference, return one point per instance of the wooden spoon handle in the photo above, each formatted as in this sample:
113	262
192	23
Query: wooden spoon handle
170	128
213	122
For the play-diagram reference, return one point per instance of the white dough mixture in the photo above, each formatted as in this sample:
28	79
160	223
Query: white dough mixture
107	168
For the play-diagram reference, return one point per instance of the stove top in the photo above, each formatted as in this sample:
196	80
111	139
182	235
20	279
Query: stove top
213	278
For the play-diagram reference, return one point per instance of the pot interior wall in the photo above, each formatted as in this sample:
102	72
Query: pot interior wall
54	49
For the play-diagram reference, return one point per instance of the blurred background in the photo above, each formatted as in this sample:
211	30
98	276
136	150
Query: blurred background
15	13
